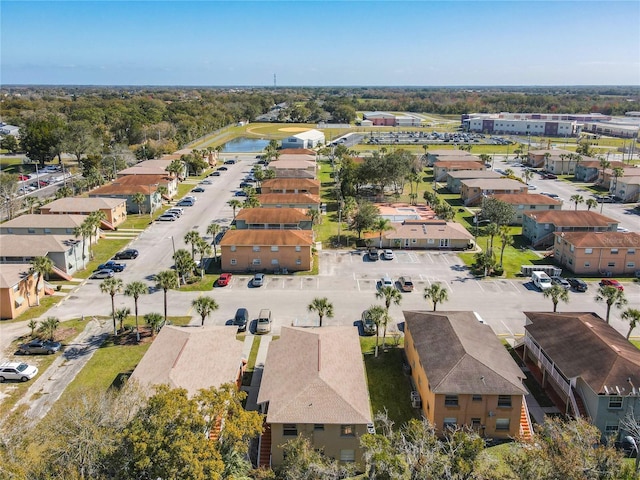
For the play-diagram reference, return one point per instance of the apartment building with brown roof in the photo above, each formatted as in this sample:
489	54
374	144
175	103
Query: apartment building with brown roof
538	227
525	202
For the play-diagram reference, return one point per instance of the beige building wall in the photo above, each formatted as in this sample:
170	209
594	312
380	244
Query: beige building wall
329	440
23	292
246	258
598	260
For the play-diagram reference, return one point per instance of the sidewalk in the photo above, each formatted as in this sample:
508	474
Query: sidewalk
256	379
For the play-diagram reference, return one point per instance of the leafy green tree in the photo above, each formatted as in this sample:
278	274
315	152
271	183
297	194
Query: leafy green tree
632	316
121	315
41	137
49	327
557	293
42	266
135	289
139	199
364	218
381	225
444	211
612	297
166	280
155	321
302	461
436	293
112	286
79	138
184	264
205	306
9	185
9	143
497	211
322	306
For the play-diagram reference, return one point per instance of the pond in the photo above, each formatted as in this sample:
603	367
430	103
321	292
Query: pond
245	144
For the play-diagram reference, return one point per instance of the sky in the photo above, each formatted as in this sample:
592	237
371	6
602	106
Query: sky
320	43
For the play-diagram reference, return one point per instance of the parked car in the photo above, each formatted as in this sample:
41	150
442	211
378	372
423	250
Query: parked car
206	182
102	274
186	202
388	255
245	184
215	174
610	282
111	265
128	254
263	324
241	193
22	178
241	319
406	285
578	284
386	281
258	280
558	280
39	346
176	211
604	198
224	279
198	190
368	325
167	217
222	169
373	254
17	371
229	162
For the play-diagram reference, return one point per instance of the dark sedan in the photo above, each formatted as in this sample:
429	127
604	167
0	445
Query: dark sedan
46	347
128	254
577	284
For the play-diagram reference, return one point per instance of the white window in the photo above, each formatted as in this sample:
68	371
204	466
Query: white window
631	251
449	422
631	265
233	261
48	230
502	423
274	261
298	248
233	248
615	402
256	248
430	241
256	261
298	262
587	264
614	251
274	248
610	428
348	455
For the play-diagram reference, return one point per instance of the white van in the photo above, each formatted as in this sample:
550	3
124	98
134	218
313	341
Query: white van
263	324
541	280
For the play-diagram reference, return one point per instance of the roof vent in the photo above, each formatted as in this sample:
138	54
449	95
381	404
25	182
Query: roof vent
615	348
588	324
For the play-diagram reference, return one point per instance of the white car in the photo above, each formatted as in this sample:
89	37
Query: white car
17	371
388	255
386	281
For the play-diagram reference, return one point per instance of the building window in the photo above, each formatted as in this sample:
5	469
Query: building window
298	261
614	251
504	401
631	265
451	400
256	248
298	248
430	241
476	398
588	251
502	424
274	261
587	264
611	428
274	248
233	261
449	422
615	402
256	261
31	230
611	264
289	430
348	455
318	426
233	248
631	251
348	430
475	423
48	230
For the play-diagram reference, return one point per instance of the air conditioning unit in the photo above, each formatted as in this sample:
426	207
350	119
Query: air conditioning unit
416	401
371	428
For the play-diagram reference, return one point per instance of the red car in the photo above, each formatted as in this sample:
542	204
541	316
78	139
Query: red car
224	279
22	178
606	282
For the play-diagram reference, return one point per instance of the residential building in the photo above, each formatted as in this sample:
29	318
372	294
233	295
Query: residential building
65	251
34	224
609	179
598	377
171	183
314	384
192	358
301	157
525	202
454	178
266	250
520	123
463	374
114	209
304	201
18	289
152	198
598	253
290	185
293	168
565	165
441	155
425	234
473	190
627	189
156	166
443	167
591	170
539	227
273	219
540	158
308	139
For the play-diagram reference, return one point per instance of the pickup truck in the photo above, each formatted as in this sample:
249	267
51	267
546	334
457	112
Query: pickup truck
111	265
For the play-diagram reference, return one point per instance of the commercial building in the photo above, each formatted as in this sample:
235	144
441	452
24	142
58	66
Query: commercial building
308	139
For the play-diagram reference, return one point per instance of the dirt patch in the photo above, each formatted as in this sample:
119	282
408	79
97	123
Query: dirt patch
129	337
292	129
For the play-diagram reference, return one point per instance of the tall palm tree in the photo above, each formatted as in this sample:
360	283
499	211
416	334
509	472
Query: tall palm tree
135	289
205	306
41	266
322	307
591	203
604	164
184	264
192	237
577	199
166	280
378	316
138	198
93	221
83	230
612	297
557	293
155	321
617	173
381	225
251	202
213	229
436	293
112	286
492	230
121	316
30	203
314	215
203	248
390	295
546	156
235	204
506	239
631	315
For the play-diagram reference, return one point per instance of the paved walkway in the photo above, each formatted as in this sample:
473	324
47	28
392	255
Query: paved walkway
256	378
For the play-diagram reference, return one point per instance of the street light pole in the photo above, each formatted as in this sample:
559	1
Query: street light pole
173	244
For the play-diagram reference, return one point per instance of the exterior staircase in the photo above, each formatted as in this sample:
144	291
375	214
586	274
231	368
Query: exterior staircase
526	429
264	449
582	410
62	274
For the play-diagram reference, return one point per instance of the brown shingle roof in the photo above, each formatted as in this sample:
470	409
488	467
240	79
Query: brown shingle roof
554	152
117	189
469	165
526	199
584	345
45	221
596	164
13	273
191	358
143	179
571	218
449	153
297	151
601	239
474	174
436	229
34	245
289	163
316	375
83	204
460	355
494	183
268	237
291	183
272	215
288	198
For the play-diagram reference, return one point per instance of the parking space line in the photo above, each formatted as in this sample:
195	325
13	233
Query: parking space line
428	255
479	283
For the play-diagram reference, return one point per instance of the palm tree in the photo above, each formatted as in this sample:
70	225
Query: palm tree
184	264
617	173
577	199
604	163
506	239
557	293
205	306
381	225
390	295
192	237
235	204
92	223
30	203
492	230
48	327
41	266
138	198
155	321
322	307
612	296
436	293
527	176
166	280
213	229
591	203
135	289
112	286
83	230
631	315
33	324
203	248
121	315
251	202
314	215
378	316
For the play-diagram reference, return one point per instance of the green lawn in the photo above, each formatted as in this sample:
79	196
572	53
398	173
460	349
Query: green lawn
102	251
251	361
